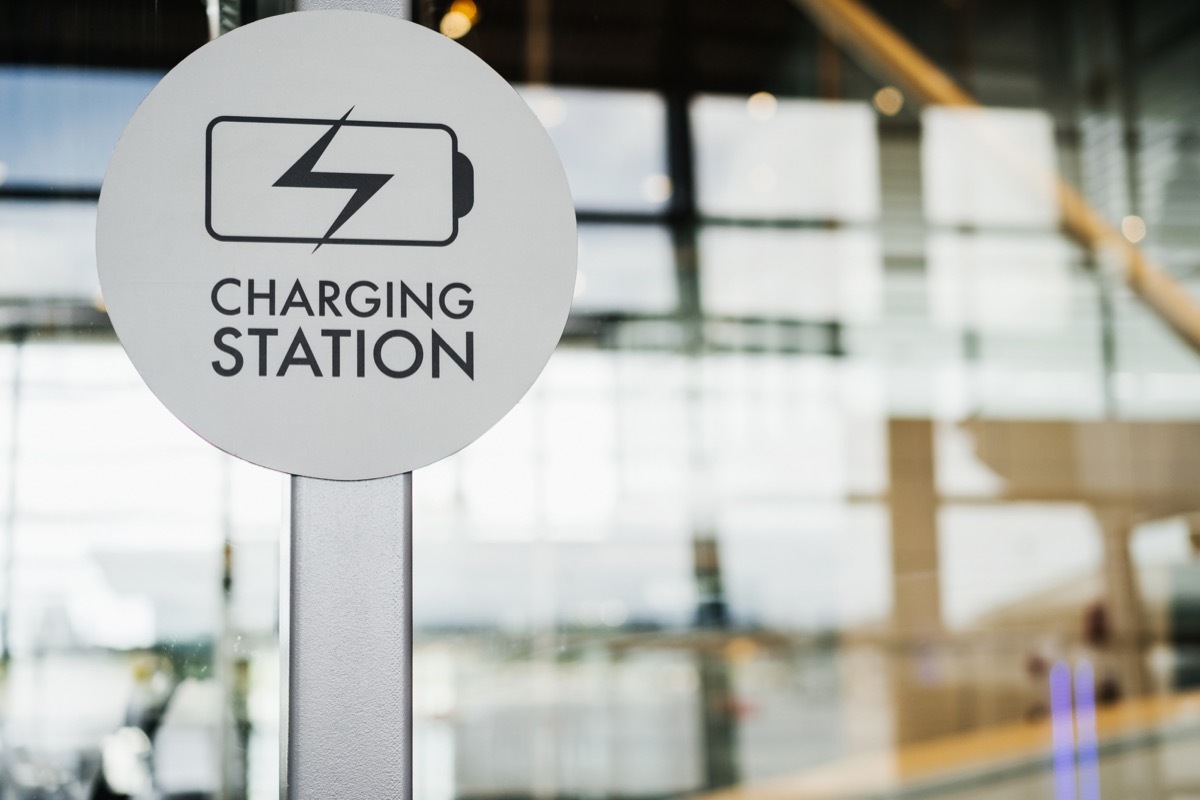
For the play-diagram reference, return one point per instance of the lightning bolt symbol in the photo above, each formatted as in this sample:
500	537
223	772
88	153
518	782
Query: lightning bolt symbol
302	175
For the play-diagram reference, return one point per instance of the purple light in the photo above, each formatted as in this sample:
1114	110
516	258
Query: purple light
1063	729
1085	722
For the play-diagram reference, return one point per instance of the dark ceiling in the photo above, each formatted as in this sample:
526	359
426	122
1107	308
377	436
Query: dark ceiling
1009	52
153	34
692	45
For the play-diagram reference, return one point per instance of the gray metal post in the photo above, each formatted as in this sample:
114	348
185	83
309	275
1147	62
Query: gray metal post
350	675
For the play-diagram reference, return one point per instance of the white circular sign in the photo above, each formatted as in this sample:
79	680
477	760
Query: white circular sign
336	244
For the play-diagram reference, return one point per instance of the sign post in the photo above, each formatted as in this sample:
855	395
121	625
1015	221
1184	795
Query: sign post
349	733
338	245
350	674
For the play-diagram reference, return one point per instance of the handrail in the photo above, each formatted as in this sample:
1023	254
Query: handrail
877	46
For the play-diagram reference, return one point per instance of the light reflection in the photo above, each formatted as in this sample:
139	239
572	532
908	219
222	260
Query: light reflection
761	106
1075	753
1134	228
1085	720
888	100
125	756
613	613
459	20
657	188
741	648
1063	729
212	11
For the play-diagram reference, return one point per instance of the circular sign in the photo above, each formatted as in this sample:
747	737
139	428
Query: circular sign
336	244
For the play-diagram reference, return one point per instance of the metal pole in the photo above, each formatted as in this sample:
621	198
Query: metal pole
350	674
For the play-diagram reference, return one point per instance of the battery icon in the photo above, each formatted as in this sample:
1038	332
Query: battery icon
335	182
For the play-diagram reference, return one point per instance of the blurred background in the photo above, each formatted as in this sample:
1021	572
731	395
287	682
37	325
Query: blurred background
869	464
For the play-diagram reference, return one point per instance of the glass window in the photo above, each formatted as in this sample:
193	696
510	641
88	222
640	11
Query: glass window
999	282
791	274
61	124
625	269
989	167
48	251
612	144
785	158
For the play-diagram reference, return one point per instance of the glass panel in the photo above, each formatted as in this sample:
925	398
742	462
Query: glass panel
48	251
612	145
1158	376
989	167
785	159
998	282
1168	164
625	269
808	274
61	124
